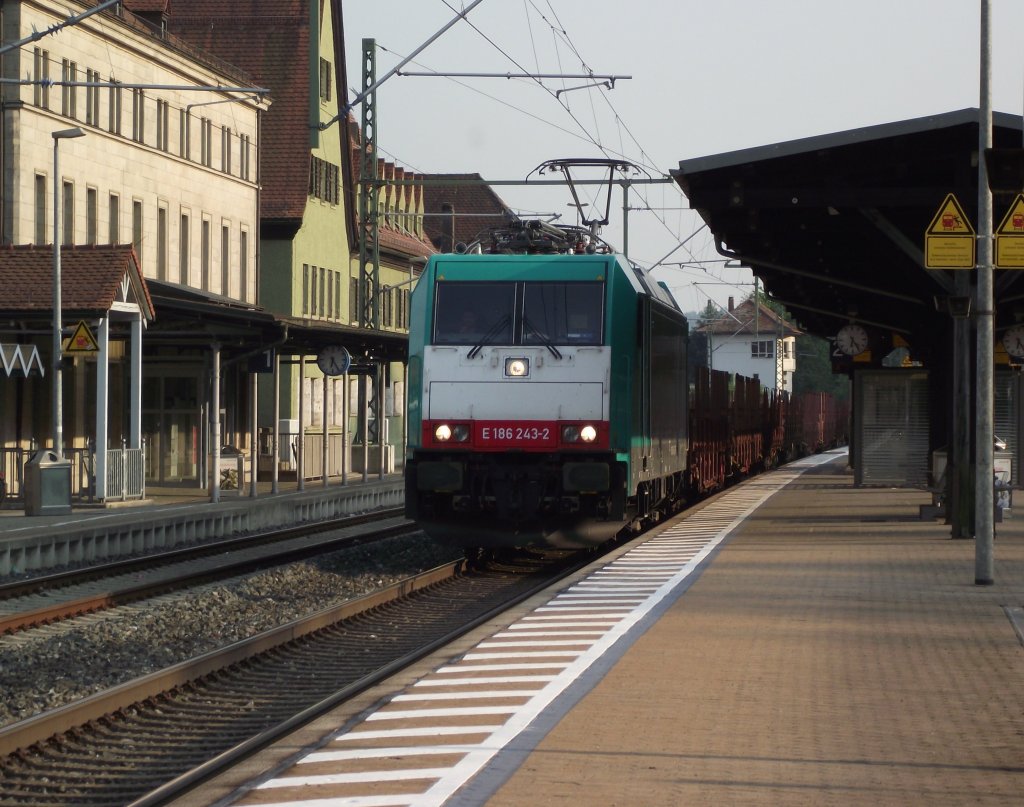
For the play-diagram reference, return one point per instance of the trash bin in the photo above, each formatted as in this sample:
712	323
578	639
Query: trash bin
232	470
47	485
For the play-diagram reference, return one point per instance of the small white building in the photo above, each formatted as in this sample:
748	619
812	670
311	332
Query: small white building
755	342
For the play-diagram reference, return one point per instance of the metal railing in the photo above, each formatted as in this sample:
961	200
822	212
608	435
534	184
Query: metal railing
12	467
126	473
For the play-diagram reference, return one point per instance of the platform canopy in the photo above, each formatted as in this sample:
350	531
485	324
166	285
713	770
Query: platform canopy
835	224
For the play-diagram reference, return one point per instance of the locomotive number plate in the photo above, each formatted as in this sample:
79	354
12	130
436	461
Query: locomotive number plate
516	434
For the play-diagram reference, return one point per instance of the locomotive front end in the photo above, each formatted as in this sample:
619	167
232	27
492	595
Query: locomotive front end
510	392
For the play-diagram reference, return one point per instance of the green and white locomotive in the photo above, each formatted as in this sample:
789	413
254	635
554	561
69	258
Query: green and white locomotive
547	393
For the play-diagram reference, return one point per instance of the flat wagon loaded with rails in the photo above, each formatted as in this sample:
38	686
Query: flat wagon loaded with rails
549	402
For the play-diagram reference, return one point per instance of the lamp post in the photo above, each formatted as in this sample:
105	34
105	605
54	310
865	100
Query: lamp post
58	415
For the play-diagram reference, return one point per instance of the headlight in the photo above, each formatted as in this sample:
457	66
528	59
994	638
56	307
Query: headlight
517	367
572	433
458	432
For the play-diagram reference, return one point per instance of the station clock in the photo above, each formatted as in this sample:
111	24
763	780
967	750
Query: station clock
852	339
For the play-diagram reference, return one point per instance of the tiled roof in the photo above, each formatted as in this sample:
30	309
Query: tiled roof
472	204
741	321
391	238
398	241
269	40
90	277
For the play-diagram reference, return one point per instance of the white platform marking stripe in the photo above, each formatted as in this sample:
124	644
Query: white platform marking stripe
455	711
403	800
522	654
354	778
462	669
413	731
561	624
458	696
389	751
537	630
488	679
562	643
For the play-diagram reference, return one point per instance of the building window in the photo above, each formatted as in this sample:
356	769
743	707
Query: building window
41	78
92	97
330	295
206	142
337	295
162	127
114	112
325	80
204	255
386	309
69	94
91	214
225	149
183	248
40	228
243	159
323	291
161	243
137	230
185	135
305	289
353	301
324	180
243	265
764	349
68	220
225	254
138	115
114	214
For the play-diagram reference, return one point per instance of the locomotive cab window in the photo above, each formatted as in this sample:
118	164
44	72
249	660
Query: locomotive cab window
523	313
474	313
562	313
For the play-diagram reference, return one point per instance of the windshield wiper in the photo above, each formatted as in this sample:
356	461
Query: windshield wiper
544	340
491	333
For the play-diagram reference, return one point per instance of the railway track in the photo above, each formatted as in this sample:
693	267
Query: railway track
151	739
63	595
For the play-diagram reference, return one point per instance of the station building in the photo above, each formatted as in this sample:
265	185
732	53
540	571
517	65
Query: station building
210	175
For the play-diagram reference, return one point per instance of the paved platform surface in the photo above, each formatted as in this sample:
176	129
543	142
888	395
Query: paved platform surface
833	651
836	651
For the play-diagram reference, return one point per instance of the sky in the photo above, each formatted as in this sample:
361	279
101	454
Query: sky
707	77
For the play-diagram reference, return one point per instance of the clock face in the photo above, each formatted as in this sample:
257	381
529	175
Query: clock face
333	360
1013	341
852	339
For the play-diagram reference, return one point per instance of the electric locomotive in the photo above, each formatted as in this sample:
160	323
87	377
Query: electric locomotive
547	393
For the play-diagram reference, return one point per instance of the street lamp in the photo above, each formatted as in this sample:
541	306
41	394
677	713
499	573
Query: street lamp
58	415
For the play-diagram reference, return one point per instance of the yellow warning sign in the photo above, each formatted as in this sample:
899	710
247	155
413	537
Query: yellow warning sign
82	340
949	241
1010	237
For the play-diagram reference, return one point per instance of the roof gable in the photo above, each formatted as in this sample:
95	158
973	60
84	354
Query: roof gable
93	279
745	320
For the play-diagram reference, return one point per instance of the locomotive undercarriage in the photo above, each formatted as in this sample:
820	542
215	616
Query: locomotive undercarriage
496	500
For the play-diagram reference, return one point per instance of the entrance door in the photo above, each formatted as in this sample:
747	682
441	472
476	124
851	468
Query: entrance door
170	423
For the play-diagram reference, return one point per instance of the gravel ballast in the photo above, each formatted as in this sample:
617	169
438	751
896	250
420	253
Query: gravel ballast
51	667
